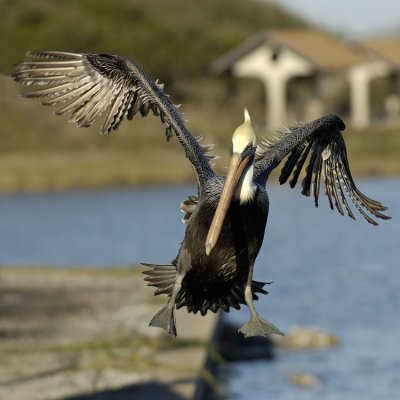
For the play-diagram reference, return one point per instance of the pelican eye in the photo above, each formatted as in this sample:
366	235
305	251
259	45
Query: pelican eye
249	149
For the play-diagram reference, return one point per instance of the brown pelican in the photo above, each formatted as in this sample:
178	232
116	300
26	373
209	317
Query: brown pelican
226	220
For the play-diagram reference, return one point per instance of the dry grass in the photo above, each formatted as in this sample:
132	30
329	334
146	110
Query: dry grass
42	152
161	165
61	171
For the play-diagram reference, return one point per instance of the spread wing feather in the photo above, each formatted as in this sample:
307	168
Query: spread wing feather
90	85
321	143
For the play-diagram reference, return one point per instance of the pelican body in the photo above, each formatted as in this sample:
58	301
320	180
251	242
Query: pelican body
209	282
226	220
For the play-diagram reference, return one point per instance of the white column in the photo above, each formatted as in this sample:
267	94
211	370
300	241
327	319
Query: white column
275	91
359	78
359	99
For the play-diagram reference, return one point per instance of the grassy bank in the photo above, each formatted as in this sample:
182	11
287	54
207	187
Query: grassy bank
40	151
100	168
371	153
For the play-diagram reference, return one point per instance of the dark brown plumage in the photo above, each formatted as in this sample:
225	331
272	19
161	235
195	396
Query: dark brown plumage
226	220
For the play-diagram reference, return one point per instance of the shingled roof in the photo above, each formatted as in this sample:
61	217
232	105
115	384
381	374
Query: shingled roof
385	48
325	52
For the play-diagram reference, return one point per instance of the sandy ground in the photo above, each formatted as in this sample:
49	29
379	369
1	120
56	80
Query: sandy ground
83	334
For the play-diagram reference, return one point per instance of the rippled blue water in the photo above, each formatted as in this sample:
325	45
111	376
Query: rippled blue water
329	272
94	228
338	275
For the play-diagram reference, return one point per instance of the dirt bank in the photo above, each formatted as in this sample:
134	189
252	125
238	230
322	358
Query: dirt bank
83	334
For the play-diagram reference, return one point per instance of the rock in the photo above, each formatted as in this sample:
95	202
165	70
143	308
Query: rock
300	338
305	380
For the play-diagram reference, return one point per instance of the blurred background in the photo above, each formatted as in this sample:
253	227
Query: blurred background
79	211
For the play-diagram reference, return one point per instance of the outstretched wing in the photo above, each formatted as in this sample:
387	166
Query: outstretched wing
88	85
321	143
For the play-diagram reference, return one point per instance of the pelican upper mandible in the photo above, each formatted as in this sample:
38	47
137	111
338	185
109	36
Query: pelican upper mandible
239	179
226	220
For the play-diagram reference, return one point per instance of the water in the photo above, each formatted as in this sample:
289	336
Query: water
338	275
93	228
329	272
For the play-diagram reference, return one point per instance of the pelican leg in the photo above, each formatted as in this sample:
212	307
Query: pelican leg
256	326
165	318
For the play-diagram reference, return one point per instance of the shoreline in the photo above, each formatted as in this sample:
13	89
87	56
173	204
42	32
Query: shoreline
80	333
11	185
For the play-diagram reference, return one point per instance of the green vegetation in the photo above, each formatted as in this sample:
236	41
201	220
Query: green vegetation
173	40
122	352
170	39
374	151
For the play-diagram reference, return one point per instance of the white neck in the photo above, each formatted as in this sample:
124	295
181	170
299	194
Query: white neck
246	188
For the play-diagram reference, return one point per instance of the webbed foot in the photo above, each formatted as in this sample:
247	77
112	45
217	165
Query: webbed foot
165	319
257	326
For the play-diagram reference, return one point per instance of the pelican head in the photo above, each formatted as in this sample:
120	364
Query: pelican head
244	135
239	179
